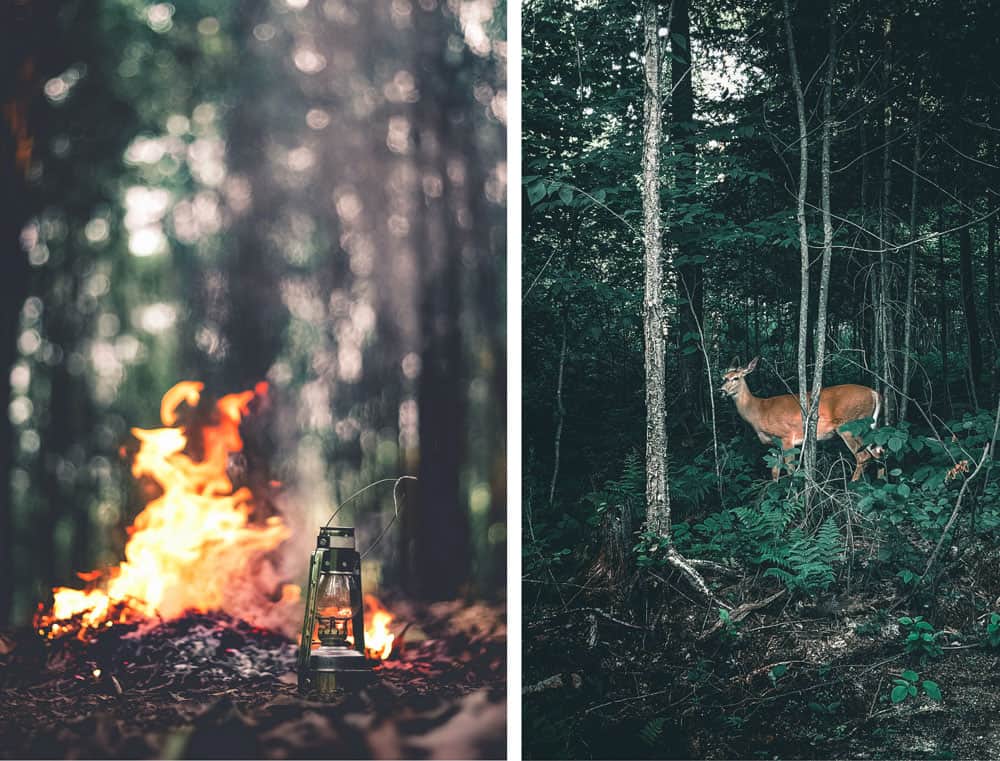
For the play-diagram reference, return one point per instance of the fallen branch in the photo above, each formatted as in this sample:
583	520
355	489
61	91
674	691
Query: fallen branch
574	681
738	614
592	611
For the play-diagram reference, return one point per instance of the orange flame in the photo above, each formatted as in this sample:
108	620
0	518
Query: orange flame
194	547
378	638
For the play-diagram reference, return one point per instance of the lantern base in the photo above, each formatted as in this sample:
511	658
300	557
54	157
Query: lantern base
333	671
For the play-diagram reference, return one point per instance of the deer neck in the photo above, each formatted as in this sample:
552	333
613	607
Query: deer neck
746	403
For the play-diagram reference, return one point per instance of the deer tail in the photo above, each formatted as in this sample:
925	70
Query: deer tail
878	407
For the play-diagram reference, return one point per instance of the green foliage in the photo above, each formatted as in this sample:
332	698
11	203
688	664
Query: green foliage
993	631
920	638
805	563
730	631
825	709
875	625
652	731
905	687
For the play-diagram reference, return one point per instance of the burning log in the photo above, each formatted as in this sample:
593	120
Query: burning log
197	545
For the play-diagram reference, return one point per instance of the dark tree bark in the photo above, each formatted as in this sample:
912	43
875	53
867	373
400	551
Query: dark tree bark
993	316
943	307
911	267
255	316
25	30
441	557
690	274
966	273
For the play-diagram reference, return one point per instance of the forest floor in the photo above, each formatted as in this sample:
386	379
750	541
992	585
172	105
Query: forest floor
206	686
788	681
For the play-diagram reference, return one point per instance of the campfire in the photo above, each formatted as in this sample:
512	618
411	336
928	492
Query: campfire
378	638
200	545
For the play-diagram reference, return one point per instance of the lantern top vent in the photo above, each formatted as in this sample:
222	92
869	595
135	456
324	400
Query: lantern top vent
336	537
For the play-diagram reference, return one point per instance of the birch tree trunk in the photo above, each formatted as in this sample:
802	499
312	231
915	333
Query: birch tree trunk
654	324
808	453
824	283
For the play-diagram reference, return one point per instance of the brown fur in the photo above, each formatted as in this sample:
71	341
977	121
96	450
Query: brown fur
780	416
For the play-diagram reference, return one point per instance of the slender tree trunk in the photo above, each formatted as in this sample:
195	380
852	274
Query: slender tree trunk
560	414
884	326
943	307
800	216
965	270
911	267
993	317
654	324
690	273
824	283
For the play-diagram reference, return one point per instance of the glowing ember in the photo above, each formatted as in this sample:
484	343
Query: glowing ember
378	638
195	546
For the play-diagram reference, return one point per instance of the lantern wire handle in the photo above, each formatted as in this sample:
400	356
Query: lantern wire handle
395	506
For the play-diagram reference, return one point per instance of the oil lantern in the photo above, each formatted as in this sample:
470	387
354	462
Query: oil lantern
328	662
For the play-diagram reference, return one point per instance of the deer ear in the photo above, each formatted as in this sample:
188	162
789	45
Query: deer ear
752	365
735	363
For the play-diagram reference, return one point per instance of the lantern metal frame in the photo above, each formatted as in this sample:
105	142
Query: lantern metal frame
325	670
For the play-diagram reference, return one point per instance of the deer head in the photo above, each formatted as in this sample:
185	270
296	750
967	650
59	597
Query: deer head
732	379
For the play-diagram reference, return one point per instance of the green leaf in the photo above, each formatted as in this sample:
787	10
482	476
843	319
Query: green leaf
898	694
932	690
909	676
566	195
895	444
536	192
904	490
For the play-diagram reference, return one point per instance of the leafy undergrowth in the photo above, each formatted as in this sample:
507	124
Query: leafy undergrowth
206	686
799	680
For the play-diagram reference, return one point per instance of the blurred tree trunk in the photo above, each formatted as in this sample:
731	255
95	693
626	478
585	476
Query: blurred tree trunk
23	27
441	557
13	290
255	315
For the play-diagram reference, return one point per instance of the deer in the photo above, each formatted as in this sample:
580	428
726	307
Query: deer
780	417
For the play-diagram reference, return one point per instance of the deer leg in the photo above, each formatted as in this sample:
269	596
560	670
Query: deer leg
861	455
786	444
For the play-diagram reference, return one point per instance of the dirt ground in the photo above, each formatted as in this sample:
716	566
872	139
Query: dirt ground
212	687
790	681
